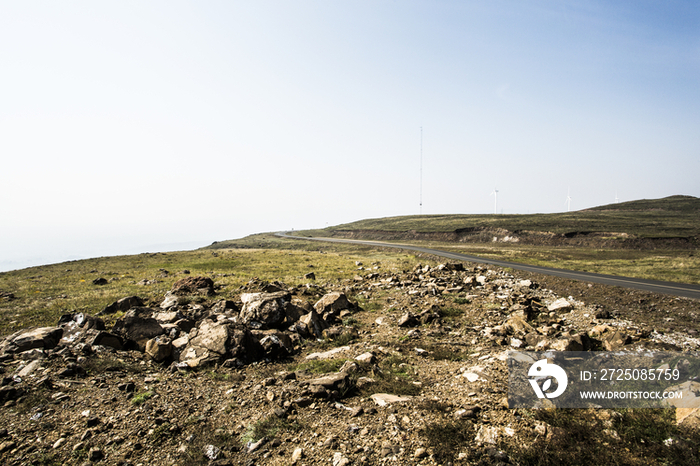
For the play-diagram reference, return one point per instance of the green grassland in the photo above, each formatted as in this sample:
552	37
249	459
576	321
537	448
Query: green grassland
673	217
42	294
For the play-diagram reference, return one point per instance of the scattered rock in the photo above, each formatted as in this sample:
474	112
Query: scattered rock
25	340
297	455
328	354
407	320
339	459
183	382
383	399
560	305
137	327
192	285
212	452
95	454
264	310
122	305
159	348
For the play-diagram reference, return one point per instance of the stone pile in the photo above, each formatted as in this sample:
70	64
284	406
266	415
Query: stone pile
263	325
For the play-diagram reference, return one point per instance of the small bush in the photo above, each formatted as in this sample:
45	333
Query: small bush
394	376
161	432
434	406
342	340
447	438
141	398
450	312
319	366
350	321
268	427
445	353
100	364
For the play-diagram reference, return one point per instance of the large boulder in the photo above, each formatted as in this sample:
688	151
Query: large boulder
191	285
159	348
310	325
137	327
79	328
274	343
333	303
214	342
25	340
109	340
265	310
560	305
213	336
122	305
516	325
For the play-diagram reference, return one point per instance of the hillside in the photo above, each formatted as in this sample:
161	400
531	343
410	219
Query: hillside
671	222
352	360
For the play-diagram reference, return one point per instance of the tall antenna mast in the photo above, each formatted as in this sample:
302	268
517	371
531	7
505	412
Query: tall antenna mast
421	170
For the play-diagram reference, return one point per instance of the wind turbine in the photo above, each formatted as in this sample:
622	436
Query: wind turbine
616	199
495	200
568	200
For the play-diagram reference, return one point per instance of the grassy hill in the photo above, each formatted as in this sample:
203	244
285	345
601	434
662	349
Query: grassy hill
670	217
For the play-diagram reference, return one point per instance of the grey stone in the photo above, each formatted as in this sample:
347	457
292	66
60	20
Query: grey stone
407	320
191	285
137	327
159	348
43	337
383	399
312	324
265	310
122	305
212	452
108	339
333	302
331	381
95	454
560	305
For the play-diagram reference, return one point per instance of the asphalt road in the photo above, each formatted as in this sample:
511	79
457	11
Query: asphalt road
654	286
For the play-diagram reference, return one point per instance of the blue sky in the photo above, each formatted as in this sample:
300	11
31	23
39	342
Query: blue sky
136	126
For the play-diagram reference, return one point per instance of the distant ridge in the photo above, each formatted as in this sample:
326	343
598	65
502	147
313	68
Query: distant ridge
676	203
670	222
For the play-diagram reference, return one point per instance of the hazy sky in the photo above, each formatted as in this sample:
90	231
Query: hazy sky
133	126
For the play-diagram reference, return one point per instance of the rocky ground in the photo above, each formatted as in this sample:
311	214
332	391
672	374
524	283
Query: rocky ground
393	367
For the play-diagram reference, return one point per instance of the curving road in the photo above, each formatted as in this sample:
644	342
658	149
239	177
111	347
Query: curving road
672	288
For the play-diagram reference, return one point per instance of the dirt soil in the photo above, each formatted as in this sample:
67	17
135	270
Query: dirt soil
659	312
446	369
